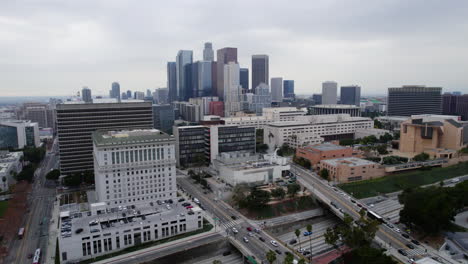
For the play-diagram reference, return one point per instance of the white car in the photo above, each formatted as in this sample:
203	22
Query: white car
397	230
234	230
251	234
274	243
246	240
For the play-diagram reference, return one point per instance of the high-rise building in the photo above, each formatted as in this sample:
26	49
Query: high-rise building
124	96
216	108
414	100
244	79
18	134
257	101
449	104
224	56
208	54
260	70
329	90
232	89
139	95
129	94
317	98
161	96
288	89
163	117
74	138
204	104
132	156
148	93
183	64
350	95
115	91
40	113
277	89
172	80
202	84
86	95
462	107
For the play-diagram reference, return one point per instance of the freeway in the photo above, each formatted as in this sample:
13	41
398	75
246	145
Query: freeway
36	222
229	218
391	237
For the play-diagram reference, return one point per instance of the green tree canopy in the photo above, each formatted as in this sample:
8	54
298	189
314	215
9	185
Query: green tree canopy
325	174
53	175
271	256
421	157
278	193
293	188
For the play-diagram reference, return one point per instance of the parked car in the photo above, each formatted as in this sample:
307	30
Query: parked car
402	252
234	230
415	242
410	246
250	234
405	235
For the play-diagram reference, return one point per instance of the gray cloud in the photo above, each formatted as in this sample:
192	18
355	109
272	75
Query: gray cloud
56	47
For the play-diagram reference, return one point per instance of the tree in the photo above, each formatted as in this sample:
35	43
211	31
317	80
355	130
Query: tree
278	193
378	124
72	180
324	174
346	142
421	157
216	261
285	150
293	188
53	175
34	155
392	160
88	177
261	148
382	149
301	261
239	194
369	140
309	229
271	256
302	162
298	235
386	138
367	254
257	199
289	258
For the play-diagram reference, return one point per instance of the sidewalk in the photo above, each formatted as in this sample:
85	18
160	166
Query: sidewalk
49	253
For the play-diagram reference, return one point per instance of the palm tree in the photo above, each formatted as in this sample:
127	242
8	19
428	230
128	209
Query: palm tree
301	261
309	229
271	256
298	235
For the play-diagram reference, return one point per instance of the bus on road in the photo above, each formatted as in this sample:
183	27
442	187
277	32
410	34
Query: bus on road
37	256
21	233
374	216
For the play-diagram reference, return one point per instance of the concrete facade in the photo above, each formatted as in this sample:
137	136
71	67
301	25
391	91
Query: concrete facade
344	170
317	153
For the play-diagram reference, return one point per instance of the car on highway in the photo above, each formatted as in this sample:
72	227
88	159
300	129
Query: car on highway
300	250
389	225
414	241
234	230
250	234
181	200
455	180
353	201
246	240
410	246
274	243
278	251
292	242
261	239
307	233
249	229
402	252
184	204
305	252
256	230
233	217
405	235
397	230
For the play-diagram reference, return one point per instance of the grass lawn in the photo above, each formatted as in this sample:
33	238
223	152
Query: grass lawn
3	207
206	227
402	181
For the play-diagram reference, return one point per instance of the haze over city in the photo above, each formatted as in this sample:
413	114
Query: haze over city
54	48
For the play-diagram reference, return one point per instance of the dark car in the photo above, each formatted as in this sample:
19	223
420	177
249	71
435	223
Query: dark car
261	239
278	251
249	229
306	252
233	217
404	235
415	242
402	252
181	200
410	246
292	242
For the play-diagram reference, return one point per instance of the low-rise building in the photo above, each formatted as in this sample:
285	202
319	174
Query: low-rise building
423	133
283	113
361	133
18	134
248	121
10	163
244	167
329	127
333	109
317	153
344	170
300	140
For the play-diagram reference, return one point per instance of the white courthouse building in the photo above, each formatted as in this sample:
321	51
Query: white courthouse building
136	197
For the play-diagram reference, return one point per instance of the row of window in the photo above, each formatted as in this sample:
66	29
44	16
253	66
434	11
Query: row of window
121	157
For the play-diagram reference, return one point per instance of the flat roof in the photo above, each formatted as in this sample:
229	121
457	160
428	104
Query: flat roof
327	147
350	161
102	138
338	106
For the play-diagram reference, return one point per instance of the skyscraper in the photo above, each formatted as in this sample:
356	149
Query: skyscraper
329	90
462	106
224	56
288	89
260	70
232	89
202	84
86	95
184	58
115	91
449	104
172	80
129	94
414	100
350	95
277	89
208	54
244	79
75	143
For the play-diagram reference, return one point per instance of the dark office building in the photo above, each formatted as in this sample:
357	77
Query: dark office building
190	145
76	123
414	100
260	70
462	107
223	57
288	89
449	104
350	95
188	69
244	79
163	117
172	80
317	98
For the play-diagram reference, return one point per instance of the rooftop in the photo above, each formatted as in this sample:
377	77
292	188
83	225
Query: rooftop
326	147
338	106
102	138
351	162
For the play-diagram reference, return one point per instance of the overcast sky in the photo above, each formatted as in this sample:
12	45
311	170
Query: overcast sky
54	47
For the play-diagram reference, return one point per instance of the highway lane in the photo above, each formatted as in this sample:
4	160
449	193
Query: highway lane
386	234
225	212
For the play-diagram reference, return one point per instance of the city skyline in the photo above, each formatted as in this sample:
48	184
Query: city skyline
62	47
